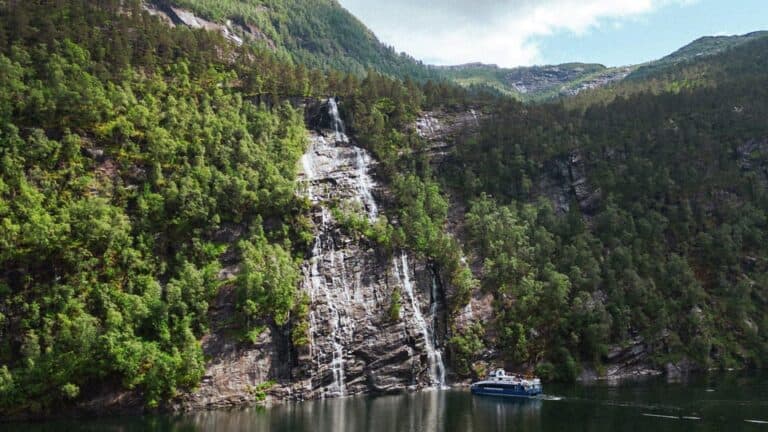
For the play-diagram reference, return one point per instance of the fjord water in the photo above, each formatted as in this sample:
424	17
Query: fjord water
731	402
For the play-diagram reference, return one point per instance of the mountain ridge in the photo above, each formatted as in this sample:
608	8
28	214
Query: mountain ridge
319	34
358	49
702	47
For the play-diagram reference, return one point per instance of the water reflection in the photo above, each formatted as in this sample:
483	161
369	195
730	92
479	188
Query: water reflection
707	403
447	411
507	414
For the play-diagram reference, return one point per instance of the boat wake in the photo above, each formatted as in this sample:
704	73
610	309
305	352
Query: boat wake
609	403
549	397
661	416
671	417
624	404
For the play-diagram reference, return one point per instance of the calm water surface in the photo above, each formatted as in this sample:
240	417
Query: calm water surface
731	402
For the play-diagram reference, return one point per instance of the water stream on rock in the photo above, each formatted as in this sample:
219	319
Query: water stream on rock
343	315
338	124
320	163
365	183
434	357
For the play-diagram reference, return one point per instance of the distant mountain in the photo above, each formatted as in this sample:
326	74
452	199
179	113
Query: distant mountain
540	83
322	34
700	48
537	82
706	62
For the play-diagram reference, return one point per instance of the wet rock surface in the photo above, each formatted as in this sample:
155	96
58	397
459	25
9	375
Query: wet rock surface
753	158
441	129
566	181
355	346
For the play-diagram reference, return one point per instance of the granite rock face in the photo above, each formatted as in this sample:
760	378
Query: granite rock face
441	129
753	158
566	178
537	79
599	80
236	369
355	344
566	181
234	31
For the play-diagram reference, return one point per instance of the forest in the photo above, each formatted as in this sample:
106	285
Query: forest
122	170
139	161
317	34
663	231
135	166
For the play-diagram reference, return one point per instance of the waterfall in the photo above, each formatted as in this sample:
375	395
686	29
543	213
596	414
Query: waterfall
433	301
365	182
333	169
474	115
338	124
345	281
334	306
434	357
308	165
316	164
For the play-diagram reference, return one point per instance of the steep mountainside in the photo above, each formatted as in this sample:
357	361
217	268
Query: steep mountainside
700	48
627	236
191	220
322	34
316	33
180	231
545	83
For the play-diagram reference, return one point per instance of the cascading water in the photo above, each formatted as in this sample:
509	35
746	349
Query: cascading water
365	183
433	302
337	123
434	357
337	161
474	116
319	287
345	280
319	163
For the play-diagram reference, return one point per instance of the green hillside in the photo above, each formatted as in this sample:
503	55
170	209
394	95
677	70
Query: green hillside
141	177
698	49
134	167
643	217
681	71
317	33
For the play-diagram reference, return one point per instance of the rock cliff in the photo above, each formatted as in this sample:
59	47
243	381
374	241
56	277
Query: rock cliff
355	345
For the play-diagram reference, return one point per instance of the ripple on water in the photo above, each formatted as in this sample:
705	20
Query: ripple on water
661	416
550	397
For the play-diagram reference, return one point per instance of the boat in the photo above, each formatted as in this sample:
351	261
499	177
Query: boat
501	384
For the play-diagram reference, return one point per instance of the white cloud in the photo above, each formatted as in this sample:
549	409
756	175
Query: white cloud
504	32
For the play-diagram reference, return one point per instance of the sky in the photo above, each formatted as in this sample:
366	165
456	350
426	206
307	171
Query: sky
526	32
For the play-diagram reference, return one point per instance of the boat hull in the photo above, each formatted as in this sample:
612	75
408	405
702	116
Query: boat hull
505	392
